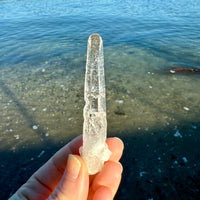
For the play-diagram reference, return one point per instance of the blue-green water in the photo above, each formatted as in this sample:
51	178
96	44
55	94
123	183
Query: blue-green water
43	47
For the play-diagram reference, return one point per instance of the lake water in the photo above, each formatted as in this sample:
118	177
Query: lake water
43	48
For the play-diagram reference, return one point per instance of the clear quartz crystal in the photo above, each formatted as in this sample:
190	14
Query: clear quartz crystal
94	150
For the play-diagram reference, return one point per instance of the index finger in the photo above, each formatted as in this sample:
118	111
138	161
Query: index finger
116	146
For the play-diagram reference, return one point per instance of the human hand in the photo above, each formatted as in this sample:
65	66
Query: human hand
65	176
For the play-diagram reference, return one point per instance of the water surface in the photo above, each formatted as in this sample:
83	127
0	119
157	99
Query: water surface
43	51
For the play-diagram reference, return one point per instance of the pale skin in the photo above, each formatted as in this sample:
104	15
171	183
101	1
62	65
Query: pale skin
65	176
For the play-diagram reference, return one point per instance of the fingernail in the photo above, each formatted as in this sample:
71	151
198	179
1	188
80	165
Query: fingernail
120	141
121	167
73	167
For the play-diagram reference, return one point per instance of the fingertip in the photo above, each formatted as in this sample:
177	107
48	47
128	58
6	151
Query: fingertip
116	146
76	167
119	141
73	167
110	177
103	193
75	181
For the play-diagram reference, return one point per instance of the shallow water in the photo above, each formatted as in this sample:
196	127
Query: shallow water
43	48
43	52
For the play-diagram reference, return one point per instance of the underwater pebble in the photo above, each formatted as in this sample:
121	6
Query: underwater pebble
16	137
194	127
46	134
32	159
142	173
175	162
41	154
11	130
35	127
44	109
184	159
43	70
186	108
33	109
178	134
172	71
119	101
150	87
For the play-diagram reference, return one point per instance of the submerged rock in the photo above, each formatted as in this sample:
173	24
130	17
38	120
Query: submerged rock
184	70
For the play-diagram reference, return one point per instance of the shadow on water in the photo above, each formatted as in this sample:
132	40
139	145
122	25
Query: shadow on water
17	166
157	165
161	164
29	119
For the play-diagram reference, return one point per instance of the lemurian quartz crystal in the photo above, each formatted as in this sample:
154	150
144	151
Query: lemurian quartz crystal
94	150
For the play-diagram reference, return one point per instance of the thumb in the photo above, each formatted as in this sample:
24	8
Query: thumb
74	184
